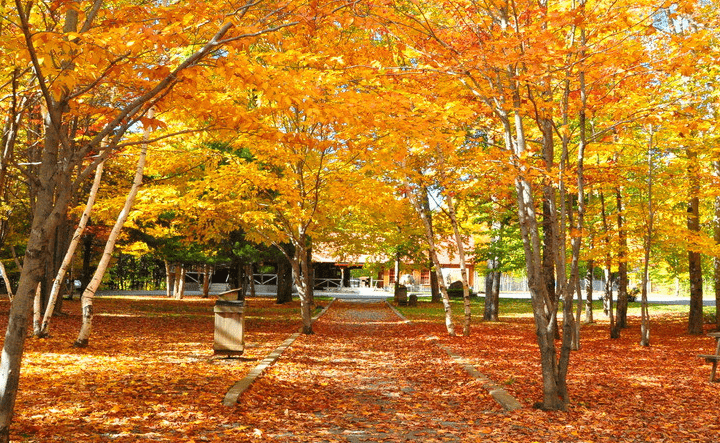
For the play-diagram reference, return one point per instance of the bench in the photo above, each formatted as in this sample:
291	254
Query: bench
713	358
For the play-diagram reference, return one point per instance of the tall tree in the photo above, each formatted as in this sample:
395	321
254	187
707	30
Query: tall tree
85	59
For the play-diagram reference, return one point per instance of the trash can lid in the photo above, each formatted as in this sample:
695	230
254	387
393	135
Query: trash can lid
236	303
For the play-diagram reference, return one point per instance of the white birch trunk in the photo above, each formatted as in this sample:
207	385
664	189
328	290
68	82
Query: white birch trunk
7	281
168	279
463	268
415	200
181	283
89	293
37	308
44	328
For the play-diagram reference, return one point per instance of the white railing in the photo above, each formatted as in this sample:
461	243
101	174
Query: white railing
265	279
328	283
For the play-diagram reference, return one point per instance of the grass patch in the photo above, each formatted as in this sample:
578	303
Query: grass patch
518	308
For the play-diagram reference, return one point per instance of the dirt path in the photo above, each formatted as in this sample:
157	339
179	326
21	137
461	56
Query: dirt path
365	376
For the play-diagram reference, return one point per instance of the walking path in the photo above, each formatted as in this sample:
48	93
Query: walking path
366	375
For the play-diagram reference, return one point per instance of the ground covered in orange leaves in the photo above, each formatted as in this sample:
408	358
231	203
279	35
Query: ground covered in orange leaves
620	391
149	375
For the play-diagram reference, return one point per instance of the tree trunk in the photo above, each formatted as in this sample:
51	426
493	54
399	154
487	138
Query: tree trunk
608	295
37	310
589	292
89	292
622	303
396	283
463	266
51	203
284	280
435	296
86	274
310	274
8	286
555	396
67	260
180	282
647	244
716	260
169	279
492	280
492	292
575	344
418	199
207	277
177	278
251	278
303	282
695	317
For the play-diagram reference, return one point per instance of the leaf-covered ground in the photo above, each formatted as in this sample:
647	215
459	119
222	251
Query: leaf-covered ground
366	376
620	391
149	375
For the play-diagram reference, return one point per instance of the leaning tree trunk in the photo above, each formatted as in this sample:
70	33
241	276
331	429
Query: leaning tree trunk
37	308
44	328
422	210
7	281
89	293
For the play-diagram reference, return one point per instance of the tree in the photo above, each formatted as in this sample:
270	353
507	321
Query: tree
534	95
503	252
86	71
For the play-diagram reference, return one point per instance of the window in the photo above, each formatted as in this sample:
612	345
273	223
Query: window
425	277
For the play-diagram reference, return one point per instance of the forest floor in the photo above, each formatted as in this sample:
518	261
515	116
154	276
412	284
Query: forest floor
149	374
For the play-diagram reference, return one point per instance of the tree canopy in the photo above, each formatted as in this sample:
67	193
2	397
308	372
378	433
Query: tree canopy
588	125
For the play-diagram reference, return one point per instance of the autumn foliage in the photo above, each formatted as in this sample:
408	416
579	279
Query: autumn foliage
307	123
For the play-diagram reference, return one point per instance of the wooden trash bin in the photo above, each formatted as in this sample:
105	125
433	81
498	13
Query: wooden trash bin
401	293
229	327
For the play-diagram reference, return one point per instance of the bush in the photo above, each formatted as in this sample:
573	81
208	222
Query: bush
633	294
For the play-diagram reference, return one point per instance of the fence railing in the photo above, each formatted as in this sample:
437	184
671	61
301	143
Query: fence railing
327	283
265	279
